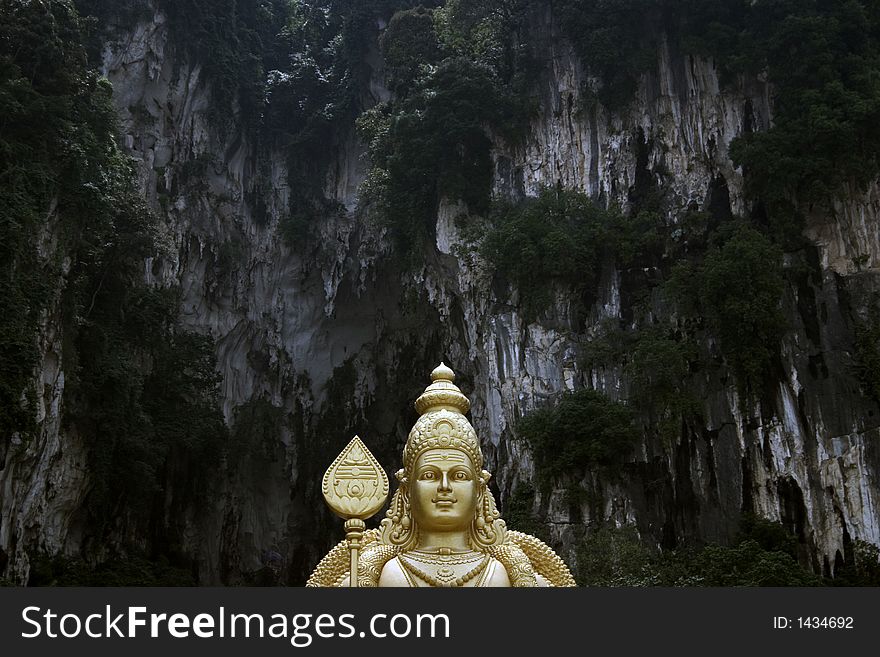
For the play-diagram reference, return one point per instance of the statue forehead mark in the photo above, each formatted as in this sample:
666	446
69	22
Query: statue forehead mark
445	456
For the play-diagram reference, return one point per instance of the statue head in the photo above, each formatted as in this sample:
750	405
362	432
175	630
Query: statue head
442	484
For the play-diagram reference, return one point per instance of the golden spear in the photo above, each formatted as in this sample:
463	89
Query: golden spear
355	487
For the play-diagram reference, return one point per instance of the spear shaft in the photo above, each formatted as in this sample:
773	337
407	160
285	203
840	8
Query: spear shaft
354	532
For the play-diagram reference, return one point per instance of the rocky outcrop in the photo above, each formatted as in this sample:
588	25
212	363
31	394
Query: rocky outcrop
806	455
43	478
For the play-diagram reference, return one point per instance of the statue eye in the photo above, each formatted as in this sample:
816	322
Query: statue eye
461	475
429	475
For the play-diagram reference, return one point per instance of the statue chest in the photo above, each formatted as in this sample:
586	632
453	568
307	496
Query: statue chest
456	570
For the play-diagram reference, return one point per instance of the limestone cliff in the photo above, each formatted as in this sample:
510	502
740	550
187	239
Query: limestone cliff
331	336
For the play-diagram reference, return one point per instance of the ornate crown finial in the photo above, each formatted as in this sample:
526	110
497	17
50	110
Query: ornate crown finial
443	372
442	394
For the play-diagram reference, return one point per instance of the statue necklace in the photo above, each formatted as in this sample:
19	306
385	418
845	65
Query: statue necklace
445	576
444	556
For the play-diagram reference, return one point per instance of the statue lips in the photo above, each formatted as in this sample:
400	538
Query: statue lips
444	502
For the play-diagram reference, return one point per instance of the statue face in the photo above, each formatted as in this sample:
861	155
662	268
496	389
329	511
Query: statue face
444	490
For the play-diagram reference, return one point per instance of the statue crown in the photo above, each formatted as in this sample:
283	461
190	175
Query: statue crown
442	422
442	393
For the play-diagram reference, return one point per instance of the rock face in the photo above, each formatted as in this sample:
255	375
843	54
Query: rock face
334	341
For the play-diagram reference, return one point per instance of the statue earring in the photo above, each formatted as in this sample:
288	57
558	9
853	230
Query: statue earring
406	519
398	527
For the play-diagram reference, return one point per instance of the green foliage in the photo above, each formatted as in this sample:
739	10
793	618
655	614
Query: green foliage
771	536
290	73
20	302
748	564
313	96
490	32
231	40
294	71
342	412
561	237
606	347
124	571
822	57
182	398
434	138
865	566
136	388
584	430
139	389
658	370
555	238
408	44
519	513
257	427
142	393
58	163
434	142
616	39
656	362
617	557
867	351
745	316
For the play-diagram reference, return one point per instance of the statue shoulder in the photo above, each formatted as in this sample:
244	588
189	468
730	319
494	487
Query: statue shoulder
531	562
333	569
392	575
498	576
372	564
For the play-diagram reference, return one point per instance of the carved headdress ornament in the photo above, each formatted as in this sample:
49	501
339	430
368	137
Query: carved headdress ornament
442	423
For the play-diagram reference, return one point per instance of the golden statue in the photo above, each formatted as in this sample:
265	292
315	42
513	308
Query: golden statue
443	528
